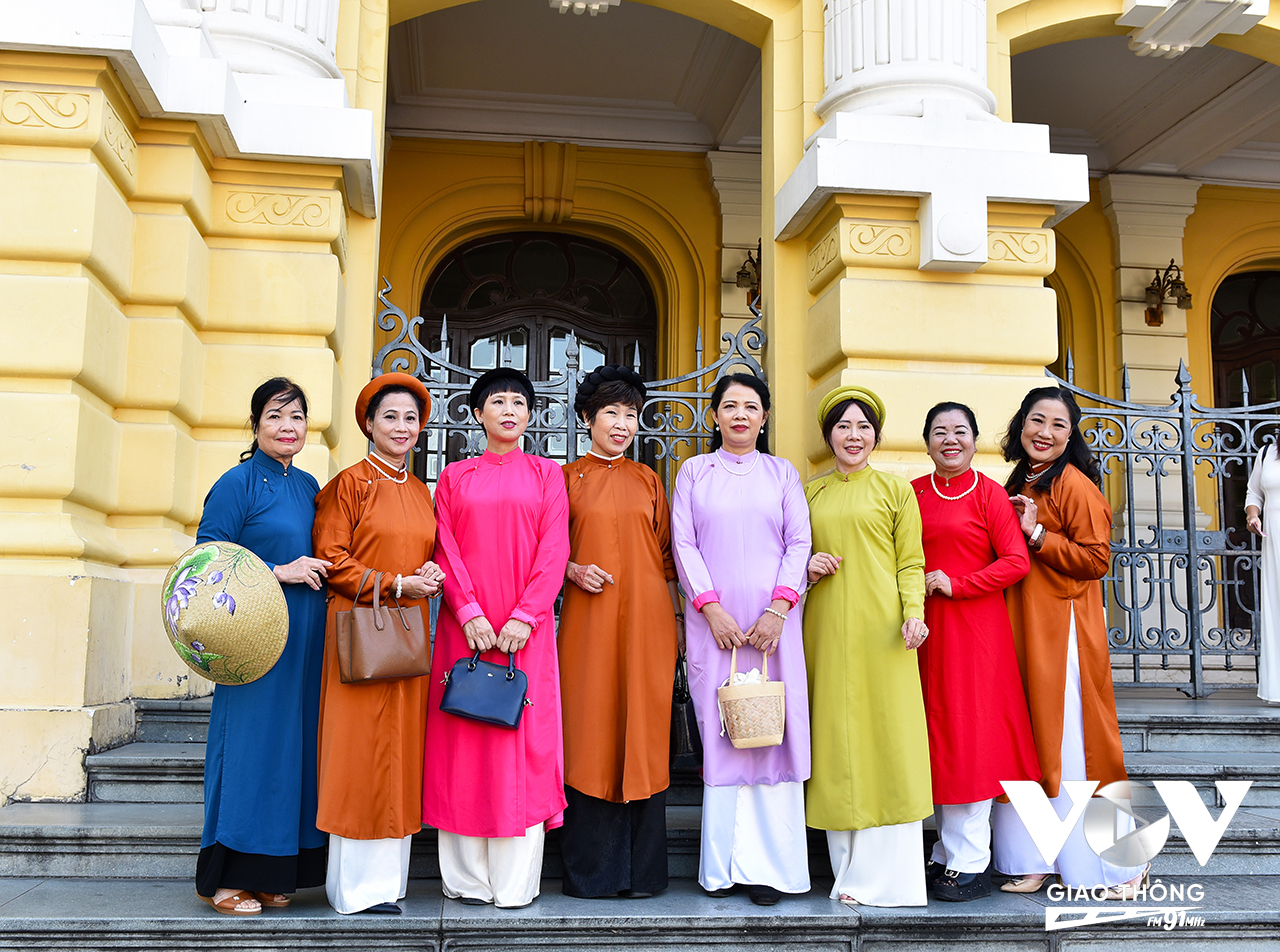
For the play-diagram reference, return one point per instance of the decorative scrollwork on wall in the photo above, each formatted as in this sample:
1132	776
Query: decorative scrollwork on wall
310	211
119	140
824	252
1026	247
866	238
55	110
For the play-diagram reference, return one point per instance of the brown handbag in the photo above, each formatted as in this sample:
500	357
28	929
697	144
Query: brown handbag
381	643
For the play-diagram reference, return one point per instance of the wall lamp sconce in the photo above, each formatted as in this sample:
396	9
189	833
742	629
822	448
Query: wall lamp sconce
749	275
1164	285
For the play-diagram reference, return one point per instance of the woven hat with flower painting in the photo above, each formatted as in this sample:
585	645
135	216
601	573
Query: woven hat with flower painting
225	613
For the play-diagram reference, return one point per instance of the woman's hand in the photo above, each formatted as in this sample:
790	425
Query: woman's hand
513	636
303	569
1253	520
415	586
914	632
479	634
937	581
1028	513
767	631
823	563
589	578
434	576
723	628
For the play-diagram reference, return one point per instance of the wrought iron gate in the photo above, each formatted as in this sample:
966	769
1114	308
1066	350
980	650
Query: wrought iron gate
673	421
1181	596
1181	605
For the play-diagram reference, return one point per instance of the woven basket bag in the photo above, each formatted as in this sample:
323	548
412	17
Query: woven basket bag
754	715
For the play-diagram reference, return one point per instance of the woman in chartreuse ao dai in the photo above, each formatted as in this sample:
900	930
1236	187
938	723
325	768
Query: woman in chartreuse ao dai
864	616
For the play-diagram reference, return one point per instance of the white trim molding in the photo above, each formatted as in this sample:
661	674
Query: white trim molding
171	65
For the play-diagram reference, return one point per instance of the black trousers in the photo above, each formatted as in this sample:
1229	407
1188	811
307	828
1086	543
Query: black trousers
608	847
219	866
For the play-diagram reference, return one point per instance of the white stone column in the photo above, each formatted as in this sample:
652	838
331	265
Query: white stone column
1148	214
735	178
891	56
907	112
275	37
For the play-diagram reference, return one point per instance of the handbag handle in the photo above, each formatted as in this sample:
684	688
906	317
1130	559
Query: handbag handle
733	665
378	621
511	664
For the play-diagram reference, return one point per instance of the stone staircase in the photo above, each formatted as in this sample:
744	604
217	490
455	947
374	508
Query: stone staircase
139	833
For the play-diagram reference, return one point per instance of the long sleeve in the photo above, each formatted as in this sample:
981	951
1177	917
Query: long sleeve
1012	562
693	571
662	529
1255	496
459	590
1082	550
908	548
797	540
338	508
552	555
226	508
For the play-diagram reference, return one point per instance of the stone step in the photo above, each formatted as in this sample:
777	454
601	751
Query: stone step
72	915
147	773
172	720
161	841
1233	721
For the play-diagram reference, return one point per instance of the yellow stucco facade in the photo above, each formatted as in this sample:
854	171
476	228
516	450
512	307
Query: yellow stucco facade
147	285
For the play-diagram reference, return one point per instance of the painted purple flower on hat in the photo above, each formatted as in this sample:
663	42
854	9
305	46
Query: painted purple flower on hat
184	589
224	600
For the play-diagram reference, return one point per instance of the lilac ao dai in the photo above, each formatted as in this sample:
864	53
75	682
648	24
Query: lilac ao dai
740	536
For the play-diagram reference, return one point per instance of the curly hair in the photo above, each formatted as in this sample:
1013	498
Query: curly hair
611	383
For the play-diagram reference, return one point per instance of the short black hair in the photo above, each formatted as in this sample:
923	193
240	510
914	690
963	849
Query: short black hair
499	380
947	406
835	414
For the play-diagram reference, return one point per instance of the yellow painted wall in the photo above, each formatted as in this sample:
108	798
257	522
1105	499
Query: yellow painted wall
146	287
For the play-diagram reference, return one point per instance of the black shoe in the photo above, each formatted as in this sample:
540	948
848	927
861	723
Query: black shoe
764	895
960	887
933	872
385	909
634	894
472	901
721	893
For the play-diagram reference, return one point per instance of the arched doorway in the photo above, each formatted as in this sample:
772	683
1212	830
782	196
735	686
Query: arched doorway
514	299
1244	329
523	293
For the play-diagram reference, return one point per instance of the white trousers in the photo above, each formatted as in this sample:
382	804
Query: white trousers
754	835
964	836
506	871
881	865
363	873
1077	864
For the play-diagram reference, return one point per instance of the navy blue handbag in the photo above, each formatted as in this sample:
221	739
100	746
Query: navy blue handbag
486	692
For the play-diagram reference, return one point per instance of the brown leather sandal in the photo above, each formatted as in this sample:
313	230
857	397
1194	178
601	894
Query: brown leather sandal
228	904
270	900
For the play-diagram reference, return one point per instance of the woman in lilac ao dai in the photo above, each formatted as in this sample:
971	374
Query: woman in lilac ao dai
740	535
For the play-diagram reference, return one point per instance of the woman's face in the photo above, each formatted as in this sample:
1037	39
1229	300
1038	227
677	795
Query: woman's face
1046	431
395	427
740	416
505	417
852	440
951	443
613	429
282	428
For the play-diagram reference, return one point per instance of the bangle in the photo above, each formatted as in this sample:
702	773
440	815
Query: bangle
1036	539
680	615
399	583
773	611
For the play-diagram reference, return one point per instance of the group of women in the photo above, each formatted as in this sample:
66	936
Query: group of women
934	638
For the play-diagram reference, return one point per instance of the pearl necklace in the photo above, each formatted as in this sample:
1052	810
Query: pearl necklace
933	479
741	472
1032	477
401	476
